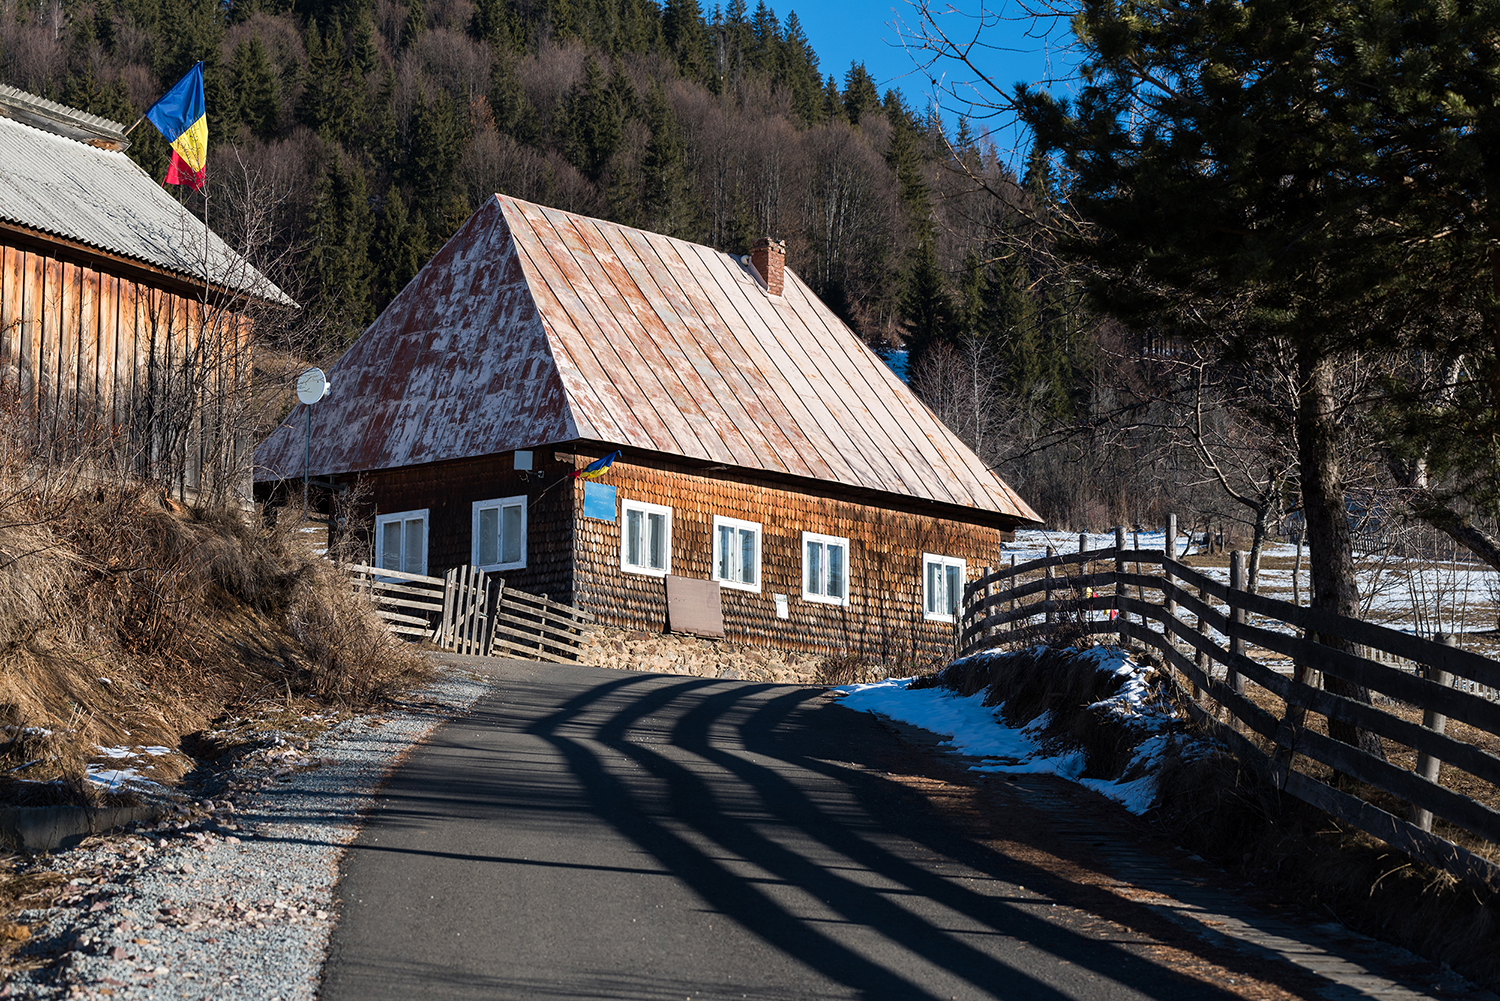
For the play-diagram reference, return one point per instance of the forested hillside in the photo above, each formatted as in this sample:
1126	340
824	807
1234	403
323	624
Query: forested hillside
349	138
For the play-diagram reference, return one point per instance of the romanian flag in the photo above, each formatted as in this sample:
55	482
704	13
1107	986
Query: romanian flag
595	468
179	116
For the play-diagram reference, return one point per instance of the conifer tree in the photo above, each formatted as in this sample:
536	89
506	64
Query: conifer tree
800	72
1254	201
254	86
670	204
926	305
435	143
402	246
515	115
339	254
860	95
593	119
416	23
682	29
833	101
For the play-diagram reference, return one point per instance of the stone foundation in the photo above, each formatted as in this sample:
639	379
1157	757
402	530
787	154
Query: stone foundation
667	653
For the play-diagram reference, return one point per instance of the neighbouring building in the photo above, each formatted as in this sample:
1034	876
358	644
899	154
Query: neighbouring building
111	339
759	445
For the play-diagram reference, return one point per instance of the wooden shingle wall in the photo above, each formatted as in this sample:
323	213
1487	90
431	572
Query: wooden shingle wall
146	378
449	490
884	617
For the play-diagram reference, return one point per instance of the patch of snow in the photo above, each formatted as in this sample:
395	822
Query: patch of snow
113	779
976	730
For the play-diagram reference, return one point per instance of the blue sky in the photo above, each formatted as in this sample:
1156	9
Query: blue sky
1015	47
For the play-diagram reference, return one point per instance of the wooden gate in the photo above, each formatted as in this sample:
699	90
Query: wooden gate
470	612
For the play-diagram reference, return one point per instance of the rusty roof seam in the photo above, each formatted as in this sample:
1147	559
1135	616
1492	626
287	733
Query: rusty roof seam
744	364
811	402
593	406
627	425
603	317
934	457
738	388
893	459
945	455
720	386
708	440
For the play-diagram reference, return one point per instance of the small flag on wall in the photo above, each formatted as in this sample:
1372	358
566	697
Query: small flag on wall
596	468
181	118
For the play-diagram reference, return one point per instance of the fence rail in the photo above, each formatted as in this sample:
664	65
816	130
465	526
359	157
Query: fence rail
471	612
1217	640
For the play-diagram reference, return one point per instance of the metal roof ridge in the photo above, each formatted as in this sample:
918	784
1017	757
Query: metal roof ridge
38	112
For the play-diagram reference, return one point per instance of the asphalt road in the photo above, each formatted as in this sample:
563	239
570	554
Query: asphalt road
588	833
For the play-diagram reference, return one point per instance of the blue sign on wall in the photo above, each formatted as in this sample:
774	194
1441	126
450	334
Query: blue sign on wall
598	501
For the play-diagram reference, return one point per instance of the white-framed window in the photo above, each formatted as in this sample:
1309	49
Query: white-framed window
401	541
498	534
645	538
825	568
942	586
737	553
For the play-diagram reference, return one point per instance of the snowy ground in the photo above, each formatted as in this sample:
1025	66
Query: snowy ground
976	731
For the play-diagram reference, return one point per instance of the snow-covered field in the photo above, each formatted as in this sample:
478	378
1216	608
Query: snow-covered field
1417	596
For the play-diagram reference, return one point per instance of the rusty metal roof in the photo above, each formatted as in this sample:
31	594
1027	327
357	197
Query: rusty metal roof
535	326
52	180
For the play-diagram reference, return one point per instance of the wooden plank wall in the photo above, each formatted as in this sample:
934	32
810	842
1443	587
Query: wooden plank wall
145	378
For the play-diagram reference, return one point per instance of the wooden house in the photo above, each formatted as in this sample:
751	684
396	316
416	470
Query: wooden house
123	323
764	459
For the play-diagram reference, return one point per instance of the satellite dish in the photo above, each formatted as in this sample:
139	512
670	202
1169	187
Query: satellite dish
312	386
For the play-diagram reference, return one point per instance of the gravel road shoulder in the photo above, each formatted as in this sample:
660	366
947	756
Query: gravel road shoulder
235	899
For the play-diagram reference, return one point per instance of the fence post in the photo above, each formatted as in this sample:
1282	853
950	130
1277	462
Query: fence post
1169	549
450	594
1140	589
1051	616
1087	571
494	598
1120	585
1011	586
1429	767
1236	619
989	596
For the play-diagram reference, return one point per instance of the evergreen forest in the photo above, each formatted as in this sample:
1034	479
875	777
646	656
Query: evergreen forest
349	138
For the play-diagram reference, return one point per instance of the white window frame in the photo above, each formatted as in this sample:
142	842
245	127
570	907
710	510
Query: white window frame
401	518
735	523
497	504
824	542
646	510
936	559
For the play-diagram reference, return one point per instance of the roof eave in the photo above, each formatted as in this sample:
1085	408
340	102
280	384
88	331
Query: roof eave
77	252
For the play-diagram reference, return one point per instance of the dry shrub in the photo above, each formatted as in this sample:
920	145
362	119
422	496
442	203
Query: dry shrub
352	656
847	669
126	618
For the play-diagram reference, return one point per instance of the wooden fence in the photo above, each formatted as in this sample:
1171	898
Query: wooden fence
471	612
1220	643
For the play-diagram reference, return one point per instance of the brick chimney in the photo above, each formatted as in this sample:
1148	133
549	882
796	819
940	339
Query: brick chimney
768	256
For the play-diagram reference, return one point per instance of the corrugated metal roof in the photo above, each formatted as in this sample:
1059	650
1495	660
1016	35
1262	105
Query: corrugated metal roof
99	197
535	326
53	117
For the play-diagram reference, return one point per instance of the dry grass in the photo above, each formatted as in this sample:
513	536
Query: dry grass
127	620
